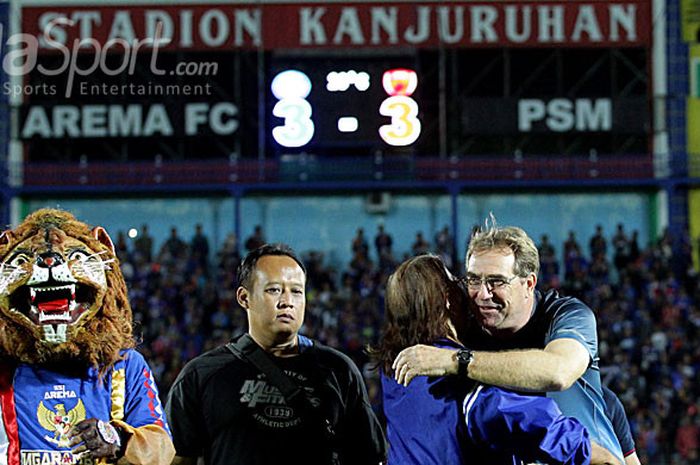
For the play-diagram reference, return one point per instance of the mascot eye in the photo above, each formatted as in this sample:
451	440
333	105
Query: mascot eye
78	255
19	260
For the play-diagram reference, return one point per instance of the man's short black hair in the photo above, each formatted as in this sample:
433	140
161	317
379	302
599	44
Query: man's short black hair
245	270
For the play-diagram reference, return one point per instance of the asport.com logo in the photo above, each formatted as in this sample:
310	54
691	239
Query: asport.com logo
87	56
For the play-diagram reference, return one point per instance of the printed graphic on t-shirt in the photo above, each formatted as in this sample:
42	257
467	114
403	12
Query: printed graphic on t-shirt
53	457
59	421
58	418
271	409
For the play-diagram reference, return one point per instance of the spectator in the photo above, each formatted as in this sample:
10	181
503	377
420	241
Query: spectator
598	245
634	252
549	266
546	249
571	245
420	245
444	246
382	242
257	239
229	257
688	438
173	248
621	245
121	247
200	246
143	245
359	243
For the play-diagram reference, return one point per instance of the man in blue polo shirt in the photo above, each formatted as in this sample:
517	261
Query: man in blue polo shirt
527	341
616	412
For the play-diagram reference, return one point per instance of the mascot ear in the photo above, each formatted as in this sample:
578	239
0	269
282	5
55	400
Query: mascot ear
6	237
101	235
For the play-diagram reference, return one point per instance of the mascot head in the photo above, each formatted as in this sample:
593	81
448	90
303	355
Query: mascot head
62	294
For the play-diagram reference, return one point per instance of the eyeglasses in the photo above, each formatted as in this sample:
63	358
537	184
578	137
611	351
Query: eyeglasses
492	282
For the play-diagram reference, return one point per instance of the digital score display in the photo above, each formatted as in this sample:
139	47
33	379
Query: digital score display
343	106
291	88
404	129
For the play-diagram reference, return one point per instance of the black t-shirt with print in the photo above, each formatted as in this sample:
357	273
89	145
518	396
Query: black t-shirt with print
224	409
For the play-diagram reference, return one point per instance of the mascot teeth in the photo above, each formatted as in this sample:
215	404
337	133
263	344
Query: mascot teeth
53	282
53	303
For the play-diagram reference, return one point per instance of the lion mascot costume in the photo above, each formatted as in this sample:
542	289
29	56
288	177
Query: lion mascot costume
72	388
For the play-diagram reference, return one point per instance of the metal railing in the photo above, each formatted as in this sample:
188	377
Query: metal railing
307	169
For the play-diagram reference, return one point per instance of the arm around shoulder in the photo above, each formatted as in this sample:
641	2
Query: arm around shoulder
554	368
570	361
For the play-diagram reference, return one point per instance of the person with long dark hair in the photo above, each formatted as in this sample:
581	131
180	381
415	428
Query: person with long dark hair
451	420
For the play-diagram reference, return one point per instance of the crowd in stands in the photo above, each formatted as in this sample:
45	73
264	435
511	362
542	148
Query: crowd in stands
645	297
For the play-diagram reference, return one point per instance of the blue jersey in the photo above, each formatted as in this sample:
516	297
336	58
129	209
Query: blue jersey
40	405
616	412
438	421
556	317
507	427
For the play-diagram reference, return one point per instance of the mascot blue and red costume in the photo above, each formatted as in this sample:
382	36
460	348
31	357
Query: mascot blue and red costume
72	388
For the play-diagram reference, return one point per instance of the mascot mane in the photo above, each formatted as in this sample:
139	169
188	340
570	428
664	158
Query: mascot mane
99	337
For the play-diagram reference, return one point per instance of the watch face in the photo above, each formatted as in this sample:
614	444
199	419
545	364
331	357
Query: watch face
464	356
108	433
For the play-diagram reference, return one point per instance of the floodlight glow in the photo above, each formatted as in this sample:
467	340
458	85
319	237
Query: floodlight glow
400	81
347	124
133	232
291	84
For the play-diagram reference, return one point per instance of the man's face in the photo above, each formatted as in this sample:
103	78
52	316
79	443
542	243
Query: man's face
503	306
276	300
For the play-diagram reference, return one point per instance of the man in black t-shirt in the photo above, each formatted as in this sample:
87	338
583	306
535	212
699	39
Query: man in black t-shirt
224	409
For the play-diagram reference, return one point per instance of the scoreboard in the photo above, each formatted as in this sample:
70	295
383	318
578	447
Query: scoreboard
346	102
292	87
212	81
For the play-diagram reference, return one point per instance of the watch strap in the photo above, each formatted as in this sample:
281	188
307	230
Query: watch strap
464	358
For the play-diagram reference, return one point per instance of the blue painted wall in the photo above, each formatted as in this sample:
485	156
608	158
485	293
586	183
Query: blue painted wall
329	222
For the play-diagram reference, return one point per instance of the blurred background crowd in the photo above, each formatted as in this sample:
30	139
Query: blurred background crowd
645	298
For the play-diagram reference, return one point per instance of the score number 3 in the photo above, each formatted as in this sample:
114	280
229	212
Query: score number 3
291	88
405	126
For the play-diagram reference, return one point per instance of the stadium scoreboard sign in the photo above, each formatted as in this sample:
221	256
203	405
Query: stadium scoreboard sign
329	78
283	25
131	120
556	115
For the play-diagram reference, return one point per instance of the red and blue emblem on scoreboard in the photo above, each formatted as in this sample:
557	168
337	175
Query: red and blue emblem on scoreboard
317	106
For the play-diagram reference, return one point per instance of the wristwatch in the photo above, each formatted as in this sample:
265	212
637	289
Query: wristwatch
109	433
464	358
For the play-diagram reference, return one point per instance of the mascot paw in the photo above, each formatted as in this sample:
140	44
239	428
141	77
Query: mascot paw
97	439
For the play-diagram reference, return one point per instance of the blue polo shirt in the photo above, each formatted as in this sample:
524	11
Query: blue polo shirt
616	412
555	317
